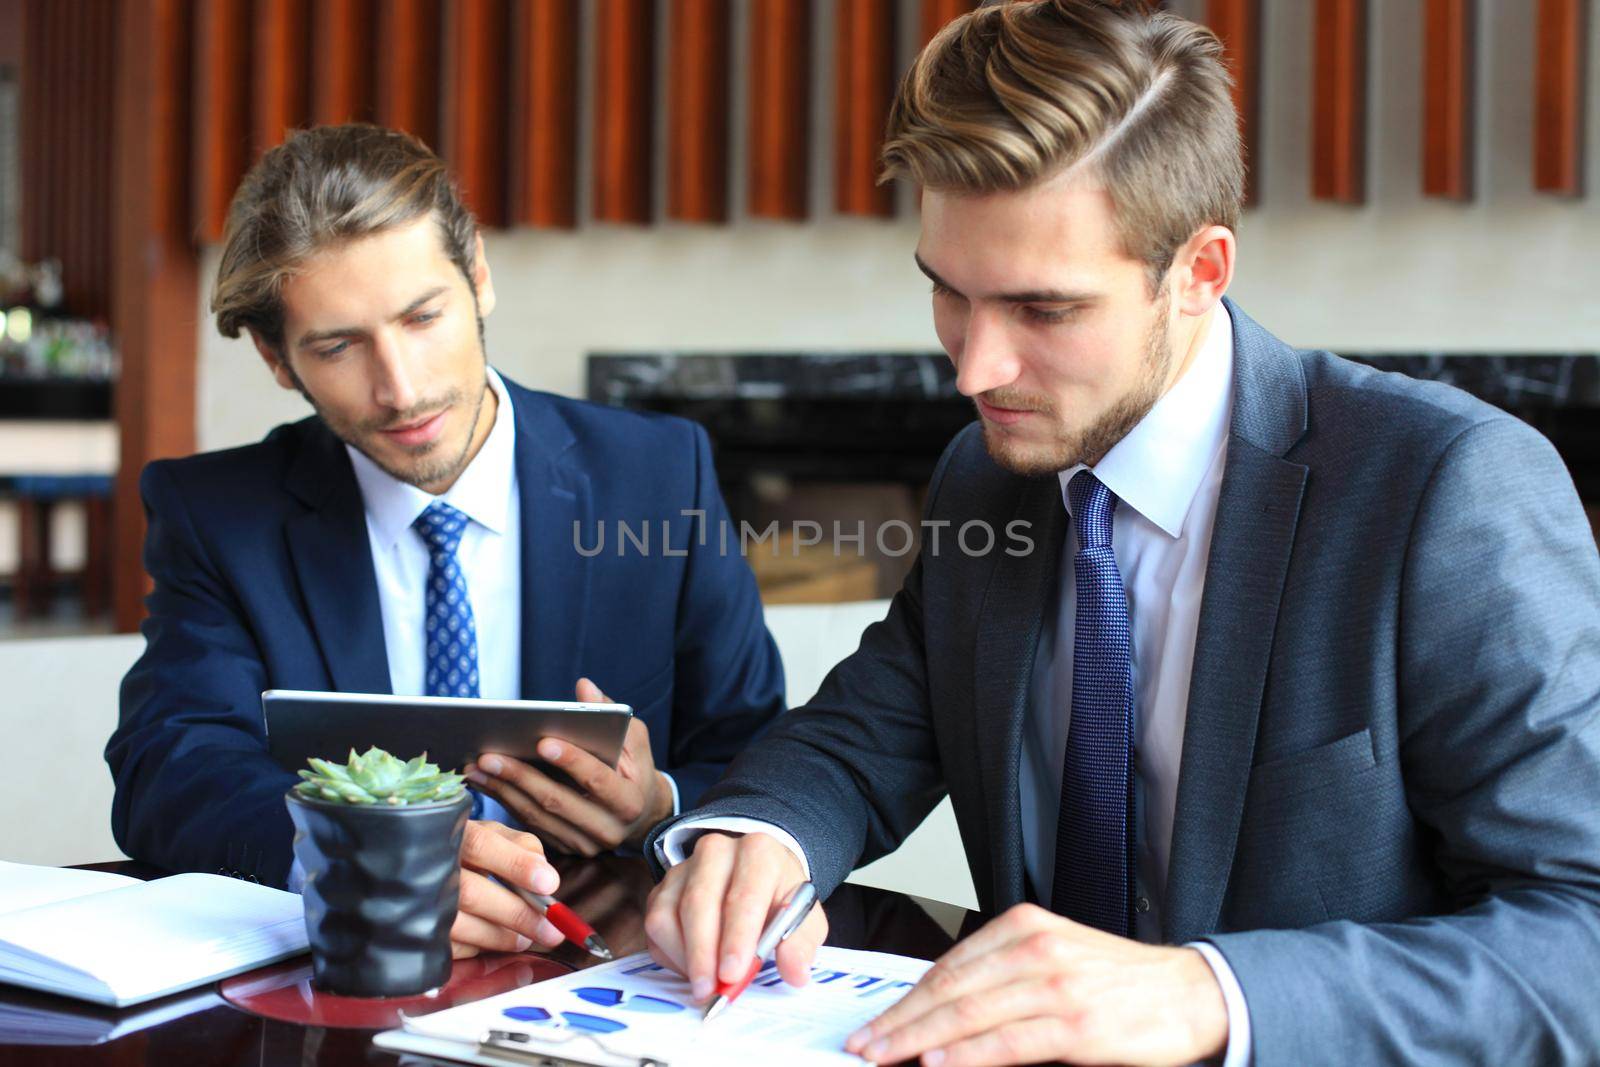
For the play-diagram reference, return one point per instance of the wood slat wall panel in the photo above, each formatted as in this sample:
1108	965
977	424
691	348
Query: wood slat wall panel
90	293
279	97
156	270
624	101
780	109
406	79
30	159
864	81
472	120
936	13
35	120
66	131
38	99
1447	98
220	110
1339	102
1559	73
1237	23
69	176
544	113
697	110
342	33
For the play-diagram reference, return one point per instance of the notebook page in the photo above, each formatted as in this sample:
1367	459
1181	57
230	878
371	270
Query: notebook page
25	886
636	1007
163	934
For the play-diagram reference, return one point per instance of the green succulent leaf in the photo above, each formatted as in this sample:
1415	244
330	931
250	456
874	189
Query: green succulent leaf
375	776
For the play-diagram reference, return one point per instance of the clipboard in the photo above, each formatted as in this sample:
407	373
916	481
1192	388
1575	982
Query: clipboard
500	1048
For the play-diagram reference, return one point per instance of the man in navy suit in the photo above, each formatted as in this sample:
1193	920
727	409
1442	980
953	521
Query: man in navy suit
430	531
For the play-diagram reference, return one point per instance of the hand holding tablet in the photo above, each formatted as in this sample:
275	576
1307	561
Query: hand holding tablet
598	806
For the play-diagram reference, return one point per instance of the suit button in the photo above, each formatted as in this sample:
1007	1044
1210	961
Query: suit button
1141	904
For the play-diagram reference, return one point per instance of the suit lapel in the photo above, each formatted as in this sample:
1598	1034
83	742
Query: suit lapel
332	559
1009	625
1257	512
554	499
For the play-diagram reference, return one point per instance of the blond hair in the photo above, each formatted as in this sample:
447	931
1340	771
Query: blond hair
1017	92
322	187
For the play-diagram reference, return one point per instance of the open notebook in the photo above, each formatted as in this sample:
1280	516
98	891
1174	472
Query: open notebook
117	941
634	1012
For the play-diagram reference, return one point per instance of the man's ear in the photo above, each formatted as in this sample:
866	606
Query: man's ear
274	362
1206	270
481	281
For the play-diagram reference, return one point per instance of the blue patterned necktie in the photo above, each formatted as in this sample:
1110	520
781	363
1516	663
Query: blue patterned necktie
452	640
1094	837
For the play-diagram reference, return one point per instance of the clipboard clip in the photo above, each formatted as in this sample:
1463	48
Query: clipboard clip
510	1046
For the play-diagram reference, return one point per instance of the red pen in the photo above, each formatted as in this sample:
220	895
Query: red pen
571	925
778	930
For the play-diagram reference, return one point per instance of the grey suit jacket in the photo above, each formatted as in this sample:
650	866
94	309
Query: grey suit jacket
1388	815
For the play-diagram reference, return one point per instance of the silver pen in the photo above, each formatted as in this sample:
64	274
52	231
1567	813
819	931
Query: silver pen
777	931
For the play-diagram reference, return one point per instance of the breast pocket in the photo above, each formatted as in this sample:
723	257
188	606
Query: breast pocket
1314	768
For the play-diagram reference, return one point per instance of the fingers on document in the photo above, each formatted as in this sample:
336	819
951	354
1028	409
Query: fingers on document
705	918
795	954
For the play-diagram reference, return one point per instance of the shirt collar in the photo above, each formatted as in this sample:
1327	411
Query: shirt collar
1158	467
481	492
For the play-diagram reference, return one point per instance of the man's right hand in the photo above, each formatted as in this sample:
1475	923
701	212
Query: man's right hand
705	917
490	917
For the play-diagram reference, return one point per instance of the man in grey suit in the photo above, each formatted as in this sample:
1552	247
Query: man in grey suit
1271	712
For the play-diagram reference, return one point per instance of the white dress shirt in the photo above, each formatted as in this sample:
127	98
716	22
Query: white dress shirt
490	556
1167	475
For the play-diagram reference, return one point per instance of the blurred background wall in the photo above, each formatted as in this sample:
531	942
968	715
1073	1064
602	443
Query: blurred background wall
661	178
1512	269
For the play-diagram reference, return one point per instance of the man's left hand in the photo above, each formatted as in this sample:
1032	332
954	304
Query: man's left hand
614	807
1033	987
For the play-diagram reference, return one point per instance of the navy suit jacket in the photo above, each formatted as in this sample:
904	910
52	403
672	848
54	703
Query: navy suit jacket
264	580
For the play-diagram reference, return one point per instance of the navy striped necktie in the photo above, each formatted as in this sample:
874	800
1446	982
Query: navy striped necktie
1094	837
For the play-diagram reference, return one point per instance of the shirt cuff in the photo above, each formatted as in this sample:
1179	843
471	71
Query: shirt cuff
674	846
1238	1051
487	808
677	801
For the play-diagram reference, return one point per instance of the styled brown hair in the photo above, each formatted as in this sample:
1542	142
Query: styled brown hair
322	187
1017	92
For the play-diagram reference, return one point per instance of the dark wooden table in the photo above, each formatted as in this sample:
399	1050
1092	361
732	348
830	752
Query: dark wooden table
610	892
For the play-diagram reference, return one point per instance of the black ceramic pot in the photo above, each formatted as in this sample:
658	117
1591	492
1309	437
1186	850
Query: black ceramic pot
380	893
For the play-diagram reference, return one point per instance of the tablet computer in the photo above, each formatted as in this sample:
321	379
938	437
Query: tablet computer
451	730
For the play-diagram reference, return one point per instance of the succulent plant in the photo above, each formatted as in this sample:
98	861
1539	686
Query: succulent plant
375	777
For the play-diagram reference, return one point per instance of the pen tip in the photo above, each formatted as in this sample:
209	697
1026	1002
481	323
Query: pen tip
712	1009
597	947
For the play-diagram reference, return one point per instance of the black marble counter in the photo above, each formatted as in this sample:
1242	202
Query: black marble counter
886	416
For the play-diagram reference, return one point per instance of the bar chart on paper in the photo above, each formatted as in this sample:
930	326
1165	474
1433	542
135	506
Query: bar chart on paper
635	1009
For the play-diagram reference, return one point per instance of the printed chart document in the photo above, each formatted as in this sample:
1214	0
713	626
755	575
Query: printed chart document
117	941
634	1011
